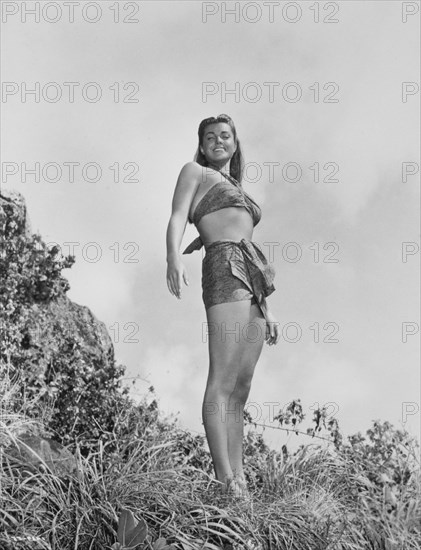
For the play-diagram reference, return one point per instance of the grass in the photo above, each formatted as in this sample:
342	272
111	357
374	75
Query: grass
316	499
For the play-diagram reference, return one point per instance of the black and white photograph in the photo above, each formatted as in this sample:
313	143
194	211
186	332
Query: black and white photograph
210	275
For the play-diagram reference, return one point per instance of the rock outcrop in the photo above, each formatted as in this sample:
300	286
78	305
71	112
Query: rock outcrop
56	351
51	324
33	452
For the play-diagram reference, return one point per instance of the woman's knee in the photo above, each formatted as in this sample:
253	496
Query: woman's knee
242	389
220	386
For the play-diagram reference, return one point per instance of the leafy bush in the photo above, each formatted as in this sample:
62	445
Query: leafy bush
62	356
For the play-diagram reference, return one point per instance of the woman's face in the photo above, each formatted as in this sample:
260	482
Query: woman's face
218	144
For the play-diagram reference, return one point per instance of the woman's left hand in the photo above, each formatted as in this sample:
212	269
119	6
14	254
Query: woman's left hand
272	330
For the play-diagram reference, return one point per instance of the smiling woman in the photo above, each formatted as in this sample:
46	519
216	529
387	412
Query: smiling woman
236	279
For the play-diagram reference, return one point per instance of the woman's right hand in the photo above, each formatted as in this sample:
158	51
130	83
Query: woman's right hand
176	274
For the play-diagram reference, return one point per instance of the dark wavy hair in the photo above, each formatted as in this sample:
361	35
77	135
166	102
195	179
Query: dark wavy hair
237	160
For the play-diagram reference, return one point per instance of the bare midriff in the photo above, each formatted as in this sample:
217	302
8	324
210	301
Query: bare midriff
232	223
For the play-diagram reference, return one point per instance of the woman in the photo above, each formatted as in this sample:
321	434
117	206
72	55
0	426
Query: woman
236	279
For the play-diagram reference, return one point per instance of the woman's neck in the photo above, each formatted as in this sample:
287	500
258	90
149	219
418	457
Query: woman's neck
225	169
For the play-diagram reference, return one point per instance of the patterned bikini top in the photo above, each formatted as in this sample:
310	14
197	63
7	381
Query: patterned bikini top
222	195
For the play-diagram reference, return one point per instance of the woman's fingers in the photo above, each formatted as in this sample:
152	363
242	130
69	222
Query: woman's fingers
172	285
175	283
277	332
272	333
268	334
179	284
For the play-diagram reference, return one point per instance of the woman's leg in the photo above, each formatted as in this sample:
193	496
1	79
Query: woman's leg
233	353
253	335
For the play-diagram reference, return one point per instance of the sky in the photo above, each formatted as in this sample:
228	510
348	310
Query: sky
325	98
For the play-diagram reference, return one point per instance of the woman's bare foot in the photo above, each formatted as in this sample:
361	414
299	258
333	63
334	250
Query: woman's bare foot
231	487
242	485
235	486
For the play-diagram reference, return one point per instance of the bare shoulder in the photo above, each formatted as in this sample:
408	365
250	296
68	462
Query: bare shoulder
190	176
191	170
188	182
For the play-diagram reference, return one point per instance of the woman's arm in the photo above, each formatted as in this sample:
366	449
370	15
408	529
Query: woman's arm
185	189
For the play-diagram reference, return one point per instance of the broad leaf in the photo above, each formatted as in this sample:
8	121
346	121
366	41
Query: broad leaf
137	535
125	524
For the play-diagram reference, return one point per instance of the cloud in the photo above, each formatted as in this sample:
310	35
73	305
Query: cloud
178	374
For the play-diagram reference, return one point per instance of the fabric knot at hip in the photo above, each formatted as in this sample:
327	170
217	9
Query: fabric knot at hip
248	263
